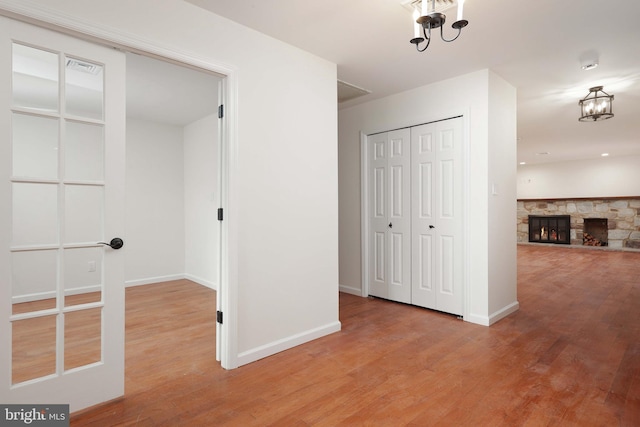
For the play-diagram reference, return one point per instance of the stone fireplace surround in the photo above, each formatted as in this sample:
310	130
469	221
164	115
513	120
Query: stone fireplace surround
622	213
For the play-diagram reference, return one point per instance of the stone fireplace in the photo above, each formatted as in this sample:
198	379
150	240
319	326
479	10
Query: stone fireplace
622	216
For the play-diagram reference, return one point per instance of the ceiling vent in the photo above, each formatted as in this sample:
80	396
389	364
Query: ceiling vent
85	67
441	5
347	91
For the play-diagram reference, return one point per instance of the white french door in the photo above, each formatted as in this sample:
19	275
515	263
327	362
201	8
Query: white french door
437	221
390	215
62	156
415	217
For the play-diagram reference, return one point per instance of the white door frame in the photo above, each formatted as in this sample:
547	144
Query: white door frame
101	34
364	198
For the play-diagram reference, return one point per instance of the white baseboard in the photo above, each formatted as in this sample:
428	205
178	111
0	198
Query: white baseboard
160	279
504	312
38	296
287	343
33	297
201	281
477	319
493	317
83	290
150	280
351	290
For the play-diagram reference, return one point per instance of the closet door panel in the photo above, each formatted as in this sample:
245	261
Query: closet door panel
378	214
449	218
399	227
423	162
390	215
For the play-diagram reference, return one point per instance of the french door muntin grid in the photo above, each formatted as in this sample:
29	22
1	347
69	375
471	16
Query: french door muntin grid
63	188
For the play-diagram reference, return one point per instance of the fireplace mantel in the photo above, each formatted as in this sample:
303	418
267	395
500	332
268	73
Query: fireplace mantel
579	199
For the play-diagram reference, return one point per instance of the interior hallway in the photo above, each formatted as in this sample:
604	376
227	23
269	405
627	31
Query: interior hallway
569	356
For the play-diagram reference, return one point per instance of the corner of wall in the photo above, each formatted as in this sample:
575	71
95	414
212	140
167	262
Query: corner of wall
286	343
504	312
351	290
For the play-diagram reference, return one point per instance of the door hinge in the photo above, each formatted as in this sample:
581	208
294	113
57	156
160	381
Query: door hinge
219	316
221	111
220	214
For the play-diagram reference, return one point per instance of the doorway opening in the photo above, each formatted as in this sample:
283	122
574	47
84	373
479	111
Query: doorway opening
173	178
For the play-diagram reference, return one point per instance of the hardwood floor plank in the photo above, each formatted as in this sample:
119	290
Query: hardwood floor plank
568	357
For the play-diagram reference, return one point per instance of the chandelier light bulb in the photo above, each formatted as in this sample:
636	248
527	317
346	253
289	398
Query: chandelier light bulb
460	7
416	26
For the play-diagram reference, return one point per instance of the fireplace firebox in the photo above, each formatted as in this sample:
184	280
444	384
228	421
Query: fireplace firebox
596	232
550	229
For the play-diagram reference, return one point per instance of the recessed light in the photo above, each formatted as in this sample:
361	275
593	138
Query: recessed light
523	163
590	66
604	154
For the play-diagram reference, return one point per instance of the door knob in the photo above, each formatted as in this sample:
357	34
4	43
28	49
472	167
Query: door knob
116	243
432	226
390	225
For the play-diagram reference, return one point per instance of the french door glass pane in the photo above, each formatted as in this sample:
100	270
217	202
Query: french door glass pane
34	279
82	337
35	214
82	275
35	147
33	348
35	78
84	152
83	213
84	88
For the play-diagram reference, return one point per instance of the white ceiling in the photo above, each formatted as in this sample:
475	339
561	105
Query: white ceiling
537	46
163	92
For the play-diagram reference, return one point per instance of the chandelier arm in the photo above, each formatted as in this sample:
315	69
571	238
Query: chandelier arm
427	37
425	46
449	41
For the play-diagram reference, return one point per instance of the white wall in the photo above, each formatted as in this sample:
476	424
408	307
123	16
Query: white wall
154	211
603	177
201	201
466	95
283	185
503	213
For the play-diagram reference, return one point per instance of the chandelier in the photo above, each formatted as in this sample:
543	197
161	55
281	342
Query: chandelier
597	105
433	20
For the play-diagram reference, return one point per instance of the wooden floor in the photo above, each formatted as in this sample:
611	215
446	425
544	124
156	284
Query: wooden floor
569	357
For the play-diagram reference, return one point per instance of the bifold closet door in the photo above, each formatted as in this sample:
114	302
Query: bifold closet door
437	220
390	215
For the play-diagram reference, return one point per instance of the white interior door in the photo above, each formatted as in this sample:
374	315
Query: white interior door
423	235
62	160
390	215
437	191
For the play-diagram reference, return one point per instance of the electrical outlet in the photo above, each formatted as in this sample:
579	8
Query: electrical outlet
92	266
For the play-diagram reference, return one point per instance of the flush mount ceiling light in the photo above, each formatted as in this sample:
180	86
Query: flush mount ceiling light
597	105
426	21
590	65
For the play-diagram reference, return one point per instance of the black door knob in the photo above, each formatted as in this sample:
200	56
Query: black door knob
116	243
390	225
432	226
